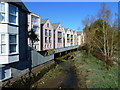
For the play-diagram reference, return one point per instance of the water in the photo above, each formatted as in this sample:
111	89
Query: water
71	80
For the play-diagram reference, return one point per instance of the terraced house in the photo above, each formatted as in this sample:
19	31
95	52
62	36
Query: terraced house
34	23
81	38
46	35
75	42
58	35
13	37
70	37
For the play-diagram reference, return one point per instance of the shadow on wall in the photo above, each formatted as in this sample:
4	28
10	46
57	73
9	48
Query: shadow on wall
24	64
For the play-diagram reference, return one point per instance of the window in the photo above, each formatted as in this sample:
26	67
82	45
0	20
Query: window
2	11
34	20
50	40
59	27
12	43
12	13
68	40
49	32
68	36
71	36
59	40
35	28
60	34
46	40
47	24
3	44
46	31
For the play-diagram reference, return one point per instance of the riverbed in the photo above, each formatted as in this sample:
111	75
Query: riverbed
62	76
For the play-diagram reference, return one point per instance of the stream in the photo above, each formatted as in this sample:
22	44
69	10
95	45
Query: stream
67	78
71	80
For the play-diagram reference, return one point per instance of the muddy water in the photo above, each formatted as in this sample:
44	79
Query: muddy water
71	80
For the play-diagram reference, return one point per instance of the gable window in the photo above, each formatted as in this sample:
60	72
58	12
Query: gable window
2	11
12	14
3	44
12	43
47	24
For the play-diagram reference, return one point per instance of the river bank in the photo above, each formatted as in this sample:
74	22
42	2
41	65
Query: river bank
79	70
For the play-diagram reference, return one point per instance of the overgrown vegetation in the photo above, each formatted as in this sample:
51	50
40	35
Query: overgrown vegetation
33	37
102	36
28	79
92	72
64	57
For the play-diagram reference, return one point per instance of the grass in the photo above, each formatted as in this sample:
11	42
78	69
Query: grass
64	57
93	71
52	74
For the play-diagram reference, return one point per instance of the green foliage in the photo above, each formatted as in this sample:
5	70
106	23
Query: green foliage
102	37
50	51
33	36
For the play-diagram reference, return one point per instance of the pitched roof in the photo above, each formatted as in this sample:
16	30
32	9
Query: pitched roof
55	25
79	32
18	3
66	29
43	21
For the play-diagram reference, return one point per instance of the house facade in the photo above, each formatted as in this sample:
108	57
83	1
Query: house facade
75	42
68	37
13	36
80	37
34	23
58	35
46	35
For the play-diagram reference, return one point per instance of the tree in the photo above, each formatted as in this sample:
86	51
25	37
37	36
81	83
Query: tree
101	36
33	37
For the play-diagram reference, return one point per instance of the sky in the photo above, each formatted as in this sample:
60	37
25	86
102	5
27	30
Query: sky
69	14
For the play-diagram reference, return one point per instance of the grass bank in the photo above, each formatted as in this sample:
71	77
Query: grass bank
92	72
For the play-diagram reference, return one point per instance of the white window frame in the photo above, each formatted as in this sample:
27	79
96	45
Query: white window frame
16	23
34	20
14	44
3	12
3	44
7	16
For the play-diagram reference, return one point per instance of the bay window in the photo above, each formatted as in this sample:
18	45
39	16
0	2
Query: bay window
3	44
2	11
12	14
12	43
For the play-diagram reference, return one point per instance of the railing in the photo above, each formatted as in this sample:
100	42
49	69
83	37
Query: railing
37	58
65	49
